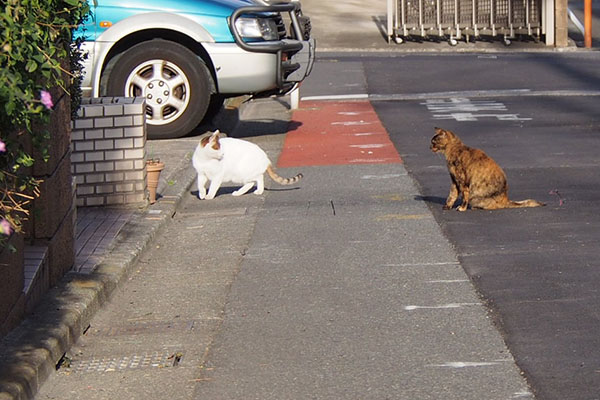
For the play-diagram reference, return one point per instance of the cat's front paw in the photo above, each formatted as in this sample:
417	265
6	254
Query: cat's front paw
237	193
462	208
446	207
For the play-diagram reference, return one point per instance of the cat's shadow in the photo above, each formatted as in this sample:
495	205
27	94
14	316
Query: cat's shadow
431	199
225	190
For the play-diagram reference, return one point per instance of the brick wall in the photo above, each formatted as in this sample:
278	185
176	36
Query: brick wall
108	151
50	226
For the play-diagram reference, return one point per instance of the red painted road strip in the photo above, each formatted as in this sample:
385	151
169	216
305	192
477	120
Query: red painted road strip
335	133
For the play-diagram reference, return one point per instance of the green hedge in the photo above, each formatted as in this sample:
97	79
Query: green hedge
35	46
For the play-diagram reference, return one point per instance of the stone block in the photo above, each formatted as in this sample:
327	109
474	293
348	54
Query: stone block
94	178
94	201
135	198
123	143
84	168
51	206
113	109
84	146
103	122
94	134
84	123
61	248
135	131
104	144
105	166
126	120
11	270
91	111
59	130
136	153
113	155
135	108
92	156
123	165
111	133
36	258
115	199
77	135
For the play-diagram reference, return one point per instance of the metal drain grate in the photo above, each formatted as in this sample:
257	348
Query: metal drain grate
150	360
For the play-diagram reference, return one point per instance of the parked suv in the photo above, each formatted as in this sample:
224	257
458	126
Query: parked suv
186	56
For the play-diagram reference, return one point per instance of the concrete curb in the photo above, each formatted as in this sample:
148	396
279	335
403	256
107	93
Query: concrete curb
30	353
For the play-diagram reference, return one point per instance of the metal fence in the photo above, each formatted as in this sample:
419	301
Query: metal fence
468	19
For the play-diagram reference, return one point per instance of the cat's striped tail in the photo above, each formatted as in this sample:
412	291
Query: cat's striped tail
281	180
525	203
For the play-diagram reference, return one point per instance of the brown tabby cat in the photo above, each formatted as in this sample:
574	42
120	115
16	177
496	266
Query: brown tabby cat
475	176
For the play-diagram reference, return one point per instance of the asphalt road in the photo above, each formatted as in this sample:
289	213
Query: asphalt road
537	116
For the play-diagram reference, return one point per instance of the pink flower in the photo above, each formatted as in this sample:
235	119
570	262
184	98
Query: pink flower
5	227
2	146
46	99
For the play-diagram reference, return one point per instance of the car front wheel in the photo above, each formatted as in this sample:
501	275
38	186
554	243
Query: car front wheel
173	80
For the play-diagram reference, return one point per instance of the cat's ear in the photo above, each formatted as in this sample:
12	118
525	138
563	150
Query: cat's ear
449	134
204	141
444	132
214	139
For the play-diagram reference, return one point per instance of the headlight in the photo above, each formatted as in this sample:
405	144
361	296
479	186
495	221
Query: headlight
257	28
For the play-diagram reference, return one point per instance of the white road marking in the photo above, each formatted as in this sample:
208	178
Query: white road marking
446	95
441	307
465	364
352	123
368	146
385	176
464	109
522	395
367	160
337	97
468	117
461	104
365	134
435	264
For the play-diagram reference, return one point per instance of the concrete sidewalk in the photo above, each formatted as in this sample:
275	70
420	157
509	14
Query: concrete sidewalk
105	257
109	242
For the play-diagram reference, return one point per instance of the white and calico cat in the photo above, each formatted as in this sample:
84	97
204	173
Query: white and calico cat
227	159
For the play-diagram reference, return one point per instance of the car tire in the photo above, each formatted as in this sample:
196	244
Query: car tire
174	81
214	106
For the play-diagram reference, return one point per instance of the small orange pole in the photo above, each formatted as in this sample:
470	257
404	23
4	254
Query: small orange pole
587	23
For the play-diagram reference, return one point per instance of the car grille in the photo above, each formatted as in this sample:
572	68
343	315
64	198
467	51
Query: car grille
281	31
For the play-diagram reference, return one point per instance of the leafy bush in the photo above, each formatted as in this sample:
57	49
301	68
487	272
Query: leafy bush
35	46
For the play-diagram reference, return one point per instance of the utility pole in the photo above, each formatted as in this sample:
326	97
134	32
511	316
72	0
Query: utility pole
587	19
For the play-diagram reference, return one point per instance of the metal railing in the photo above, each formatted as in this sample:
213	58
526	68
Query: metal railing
468	19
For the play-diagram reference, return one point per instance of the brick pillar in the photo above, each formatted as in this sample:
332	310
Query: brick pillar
561	23
108	151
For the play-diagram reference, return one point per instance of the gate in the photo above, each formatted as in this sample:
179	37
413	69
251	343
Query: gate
468	19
